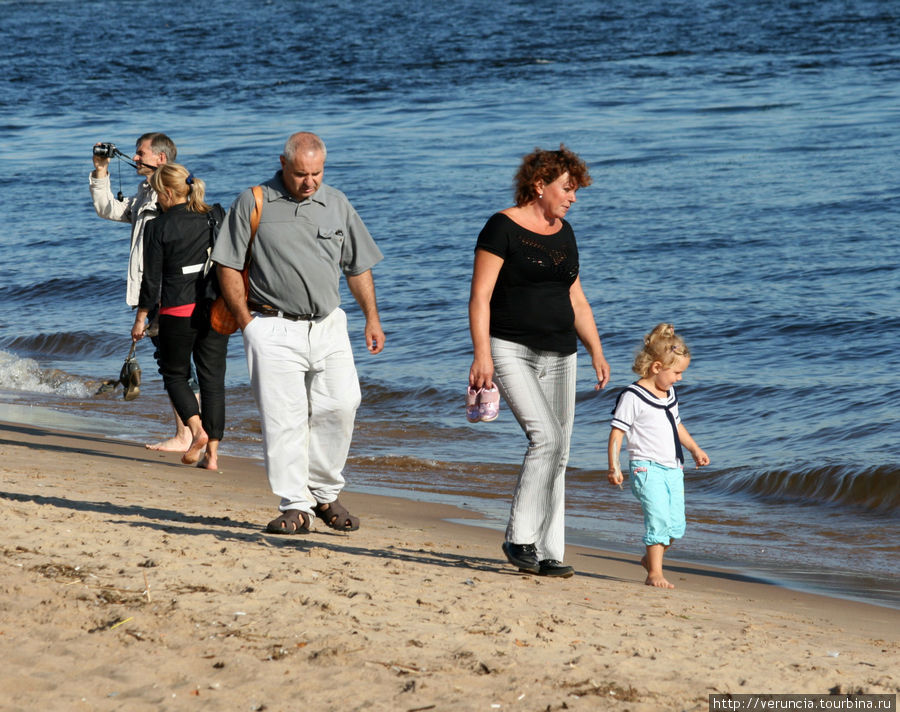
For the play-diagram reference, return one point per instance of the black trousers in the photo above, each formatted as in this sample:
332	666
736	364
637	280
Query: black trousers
154	315
180	338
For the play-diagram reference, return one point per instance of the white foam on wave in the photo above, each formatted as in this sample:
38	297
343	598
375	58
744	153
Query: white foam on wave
25	374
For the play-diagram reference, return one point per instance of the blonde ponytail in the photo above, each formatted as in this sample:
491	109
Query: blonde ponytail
183	185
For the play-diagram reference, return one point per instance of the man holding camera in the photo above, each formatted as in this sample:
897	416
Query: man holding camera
151	151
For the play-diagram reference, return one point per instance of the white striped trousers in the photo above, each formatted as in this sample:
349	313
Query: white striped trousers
539	387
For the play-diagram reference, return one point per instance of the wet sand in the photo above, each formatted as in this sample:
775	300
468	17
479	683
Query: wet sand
133	582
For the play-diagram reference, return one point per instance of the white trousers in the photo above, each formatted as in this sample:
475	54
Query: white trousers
539	387
305	385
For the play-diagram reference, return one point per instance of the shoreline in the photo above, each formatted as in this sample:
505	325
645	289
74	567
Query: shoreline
827	583
133	582
247	474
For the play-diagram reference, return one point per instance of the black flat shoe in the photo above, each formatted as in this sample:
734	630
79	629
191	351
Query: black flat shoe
552	567
522	555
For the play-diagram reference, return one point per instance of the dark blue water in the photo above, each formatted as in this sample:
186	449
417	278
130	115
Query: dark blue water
744	157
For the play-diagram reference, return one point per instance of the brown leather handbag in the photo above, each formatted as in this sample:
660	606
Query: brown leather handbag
220	317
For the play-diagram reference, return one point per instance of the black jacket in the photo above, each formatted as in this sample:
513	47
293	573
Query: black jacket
176	246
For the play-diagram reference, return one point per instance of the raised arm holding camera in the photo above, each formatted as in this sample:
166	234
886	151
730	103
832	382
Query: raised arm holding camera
151	151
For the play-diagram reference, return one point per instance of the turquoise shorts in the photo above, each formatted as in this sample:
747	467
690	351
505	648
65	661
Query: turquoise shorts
660	490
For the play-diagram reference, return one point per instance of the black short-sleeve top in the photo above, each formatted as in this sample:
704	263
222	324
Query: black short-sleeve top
530	304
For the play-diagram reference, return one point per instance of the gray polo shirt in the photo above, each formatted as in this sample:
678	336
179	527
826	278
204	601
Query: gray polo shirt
300	249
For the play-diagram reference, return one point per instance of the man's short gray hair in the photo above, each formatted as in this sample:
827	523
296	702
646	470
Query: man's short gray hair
159	143
303	142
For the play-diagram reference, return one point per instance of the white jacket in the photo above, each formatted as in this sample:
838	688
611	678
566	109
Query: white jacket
138	210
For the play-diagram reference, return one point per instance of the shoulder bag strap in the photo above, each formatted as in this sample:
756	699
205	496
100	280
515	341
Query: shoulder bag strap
254	219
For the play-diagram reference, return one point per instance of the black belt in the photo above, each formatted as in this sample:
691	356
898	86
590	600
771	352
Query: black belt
266	310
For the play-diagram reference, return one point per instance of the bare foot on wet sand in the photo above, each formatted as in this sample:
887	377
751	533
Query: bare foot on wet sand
192	454
209	463
654	579
174	444
658	580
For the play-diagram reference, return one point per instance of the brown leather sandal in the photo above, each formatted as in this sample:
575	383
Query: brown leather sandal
336	516
292	521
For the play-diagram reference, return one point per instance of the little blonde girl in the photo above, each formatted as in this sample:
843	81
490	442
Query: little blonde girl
647	413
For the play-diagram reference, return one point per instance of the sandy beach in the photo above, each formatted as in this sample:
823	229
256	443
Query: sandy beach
132	582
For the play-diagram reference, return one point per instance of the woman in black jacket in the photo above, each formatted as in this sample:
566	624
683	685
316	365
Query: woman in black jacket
176	246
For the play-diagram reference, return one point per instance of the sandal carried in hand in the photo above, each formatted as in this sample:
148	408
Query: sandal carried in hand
130	375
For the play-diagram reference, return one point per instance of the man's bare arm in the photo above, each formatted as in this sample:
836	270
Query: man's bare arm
231	282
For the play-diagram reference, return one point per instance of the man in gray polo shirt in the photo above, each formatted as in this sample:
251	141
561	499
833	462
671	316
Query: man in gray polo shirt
295	333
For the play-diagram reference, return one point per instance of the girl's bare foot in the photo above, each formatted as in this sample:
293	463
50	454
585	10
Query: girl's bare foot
173	444
652	562
657	580
192	454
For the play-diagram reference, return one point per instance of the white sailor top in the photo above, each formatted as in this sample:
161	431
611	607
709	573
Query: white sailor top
650	425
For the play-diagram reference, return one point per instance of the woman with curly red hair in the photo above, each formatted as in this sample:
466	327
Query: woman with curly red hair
527	311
